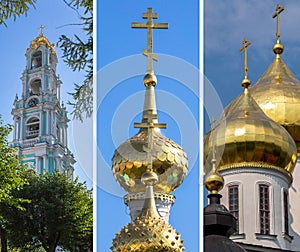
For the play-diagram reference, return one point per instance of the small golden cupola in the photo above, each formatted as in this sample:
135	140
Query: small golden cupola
42	40
245	137
277	92
169	160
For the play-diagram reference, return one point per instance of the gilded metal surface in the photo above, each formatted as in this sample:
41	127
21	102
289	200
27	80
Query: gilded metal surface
42	40
245	137
169	161
277	93
214	182
149	25
166	197
147	234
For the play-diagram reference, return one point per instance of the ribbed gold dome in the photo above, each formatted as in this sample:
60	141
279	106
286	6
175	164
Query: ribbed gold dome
147	234
169	162
42	40
277	93
245	137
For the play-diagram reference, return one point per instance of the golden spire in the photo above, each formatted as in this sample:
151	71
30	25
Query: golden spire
278	47
214	181
245	82
41	29
150	78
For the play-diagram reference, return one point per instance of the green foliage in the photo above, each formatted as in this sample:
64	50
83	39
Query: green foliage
59	213
12	174
78	54
14	8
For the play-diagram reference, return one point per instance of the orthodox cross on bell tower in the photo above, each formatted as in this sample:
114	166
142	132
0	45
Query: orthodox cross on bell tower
150	126
149	25
279	9
41	28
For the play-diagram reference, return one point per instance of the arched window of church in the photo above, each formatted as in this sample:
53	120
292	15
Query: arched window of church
36	59
285	211
264	209
32	127
35	87
233	196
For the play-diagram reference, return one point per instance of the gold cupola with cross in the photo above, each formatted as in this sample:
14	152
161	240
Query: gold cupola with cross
277	92
149	167
245	137
169	160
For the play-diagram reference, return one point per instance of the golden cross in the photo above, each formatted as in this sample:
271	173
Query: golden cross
41	28
150	125
245	43
149	15
279	9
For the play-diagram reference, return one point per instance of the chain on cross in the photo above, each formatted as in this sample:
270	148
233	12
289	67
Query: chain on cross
149	25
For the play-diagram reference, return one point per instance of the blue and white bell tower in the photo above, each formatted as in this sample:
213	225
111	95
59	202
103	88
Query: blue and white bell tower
40	118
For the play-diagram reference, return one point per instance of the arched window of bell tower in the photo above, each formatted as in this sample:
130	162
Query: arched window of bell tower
36	59
35	87
32	127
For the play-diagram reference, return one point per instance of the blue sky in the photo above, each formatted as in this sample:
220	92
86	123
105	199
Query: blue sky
121	68
15	39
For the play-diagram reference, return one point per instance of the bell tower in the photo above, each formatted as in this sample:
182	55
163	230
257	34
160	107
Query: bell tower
40	118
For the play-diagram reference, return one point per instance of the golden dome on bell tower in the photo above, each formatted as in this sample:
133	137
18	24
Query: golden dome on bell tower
277	92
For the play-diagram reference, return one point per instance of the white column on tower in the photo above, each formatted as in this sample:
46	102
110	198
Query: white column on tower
46	163
65	135
47	122
37	164
15	128
41	121
22	125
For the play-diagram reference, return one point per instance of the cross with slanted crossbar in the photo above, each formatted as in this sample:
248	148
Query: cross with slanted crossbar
245	43
41	28
150	125
279	9
149	15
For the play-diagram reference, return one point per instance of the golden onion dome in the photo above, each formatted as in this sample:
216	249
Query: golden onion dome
130	160
42	40
245	137
169	162
277	93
